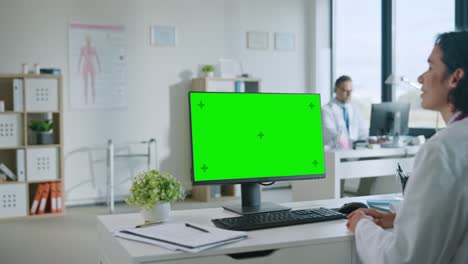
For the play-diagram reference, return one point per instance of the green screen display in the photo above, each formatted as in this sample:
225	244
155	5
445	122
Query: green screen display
241	137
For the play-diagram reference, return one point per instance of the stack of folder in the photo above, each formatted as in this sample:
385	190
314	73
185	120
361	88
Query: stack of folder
47	199
188	237
7	172
18	95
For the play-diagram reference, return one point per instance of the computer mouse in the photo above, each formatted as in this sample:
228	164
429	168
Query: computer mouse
347	208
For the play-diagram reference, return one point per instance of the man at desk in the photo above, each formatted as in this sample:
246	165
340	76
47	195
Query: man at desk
342	122
432	224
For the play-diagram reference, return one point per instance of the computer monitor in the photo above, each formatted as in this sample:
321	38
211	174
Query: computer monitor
249	138
389	119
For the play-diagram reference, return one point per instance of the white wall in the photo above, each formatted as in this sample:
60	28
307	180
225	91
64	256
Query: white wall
158	78
319	53
279	70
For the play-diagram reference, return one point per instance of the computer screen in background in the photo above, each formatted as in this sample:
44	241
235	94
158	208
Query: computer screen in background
389	119
249	138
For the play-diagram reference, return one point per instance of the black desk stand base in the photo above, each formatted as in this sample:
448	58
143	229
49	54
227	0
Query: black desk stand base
251	202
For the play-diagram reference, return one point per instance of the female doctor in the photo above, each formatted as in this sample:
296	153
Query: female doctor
432	224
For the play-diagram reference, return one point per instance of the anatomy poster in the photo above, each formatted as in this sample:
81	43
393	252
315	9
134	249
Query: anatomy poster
98	66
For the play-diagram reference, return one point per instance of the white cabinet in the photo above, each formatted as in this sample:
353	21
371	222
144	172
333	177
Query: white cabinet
13	200
217	84
331	253
42	95
11	130
42	164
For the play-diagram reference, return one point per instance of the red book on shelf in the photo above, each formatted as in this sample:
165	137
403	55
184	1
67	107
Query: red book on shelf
53	198
44	196
59	196
36	200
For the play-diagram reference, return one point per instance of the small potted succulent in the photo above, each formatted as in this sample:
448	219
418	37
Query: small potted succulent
153	191
43	130
208	70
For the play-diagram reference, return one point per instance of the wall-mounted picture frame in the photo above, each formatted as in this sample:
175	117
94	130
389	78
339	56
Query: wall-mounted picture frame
257	40
164	36
285	41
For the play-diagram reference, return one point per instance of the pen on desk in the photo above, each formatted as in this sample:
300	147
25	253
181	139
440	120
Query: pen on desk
196	227
147	224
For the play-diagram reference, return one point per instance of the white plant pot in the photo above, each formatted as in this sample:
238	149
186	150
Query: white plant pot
209	74
160	212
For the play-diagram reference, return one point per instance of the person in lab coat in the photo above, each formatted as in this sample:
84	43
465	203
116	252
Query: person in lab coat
342	122
431	225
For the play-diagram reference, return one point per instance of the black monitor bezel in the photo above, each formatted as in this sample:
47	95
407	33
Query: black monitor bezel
389	107
249	180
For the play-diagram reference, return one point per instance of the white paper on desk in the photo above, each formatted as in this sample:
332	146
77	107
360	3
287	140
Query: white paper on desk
145	240
170	246
179	236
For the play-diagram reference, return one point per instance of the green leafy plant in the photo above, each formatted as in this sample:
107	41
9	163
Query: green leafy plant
41	125
208	68
151	187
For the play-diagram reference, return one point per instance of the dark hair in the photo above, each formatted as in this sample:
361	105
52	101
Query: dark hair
454	46
342	79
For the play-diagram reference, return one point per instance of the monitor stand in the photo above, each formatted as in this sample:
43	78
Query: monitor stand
251	202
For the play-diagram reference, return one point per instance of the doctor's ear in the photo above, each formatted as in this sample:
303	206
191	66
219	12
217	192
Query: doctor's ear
456	77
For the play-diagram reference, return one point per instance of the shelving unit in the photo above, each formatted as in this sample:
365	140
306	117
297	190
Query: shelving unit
29	97
218	84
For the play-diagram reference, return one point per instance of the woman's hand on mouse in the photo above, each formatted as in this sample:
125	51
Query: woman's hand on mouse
354	218
384	220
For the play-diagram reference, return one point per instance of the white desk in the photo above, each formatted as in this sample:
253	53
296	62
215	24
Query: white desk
352	164
326	242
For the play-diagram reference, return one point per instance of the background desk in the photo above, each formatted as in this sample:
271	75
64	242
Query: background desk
326	242
352	164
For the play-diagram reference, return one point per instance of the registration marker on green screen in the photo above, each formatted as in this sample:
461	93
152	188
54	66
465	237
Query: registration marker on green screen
254	137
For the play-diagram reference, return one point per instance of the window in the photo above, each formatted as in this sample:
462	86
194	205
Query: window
417	22
357	49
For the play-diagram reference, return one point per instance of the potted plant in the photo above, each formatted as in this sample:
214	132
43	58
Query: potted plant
208	70
153	191
43	129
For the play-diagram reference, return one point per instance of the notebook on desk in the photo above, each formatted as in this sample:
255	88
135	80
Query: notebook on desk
188	237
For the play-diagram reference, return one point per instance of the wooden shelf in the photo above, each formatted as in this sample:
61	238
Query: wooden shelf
11	182
10	112
43	181
12	148
202	193
29	76
46	215
40	98
44	146
213	200
42	112
233	79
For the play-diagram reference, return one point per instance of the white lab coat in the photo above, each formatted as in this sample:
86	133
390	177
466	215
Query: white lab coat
432	224
334	125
